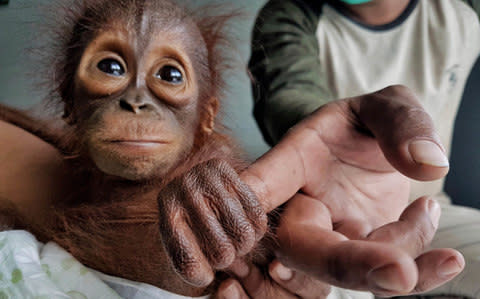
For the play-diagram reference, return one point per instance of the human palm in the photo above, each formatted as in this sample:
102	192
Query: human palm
360	188
355	156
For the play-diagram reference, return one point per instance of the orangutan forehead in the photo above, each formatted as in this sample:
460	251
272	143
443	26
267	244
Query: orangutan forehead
144	21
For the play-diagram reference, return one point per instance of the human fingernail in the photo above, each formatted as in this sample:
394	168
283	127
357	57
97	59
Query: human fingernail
386	279
240	268
283	272
434	211
449	267
231	292
427	152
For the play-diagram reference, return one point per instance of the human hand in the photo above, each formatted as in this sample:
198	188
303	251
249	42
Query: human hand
390	261
285	283
354	156
228	220
350	156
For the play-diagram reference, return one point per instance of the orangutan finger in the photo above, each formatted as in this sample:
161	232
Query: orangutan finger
249	201
214	241
233	219
214	198
182	248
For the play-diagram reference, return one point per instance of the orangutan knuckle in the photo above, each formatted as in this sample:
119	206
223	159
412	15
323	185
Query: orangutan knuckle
260	222
245	239
218	164
194	272
192	189
223	256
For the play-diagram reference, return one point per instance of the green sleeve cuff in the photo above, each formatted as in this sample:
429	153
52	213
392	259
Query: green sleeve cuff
285	65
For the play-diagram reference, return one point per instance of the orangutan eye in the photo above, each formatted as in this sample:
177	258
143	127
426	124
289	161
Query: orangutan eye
170	74
111	66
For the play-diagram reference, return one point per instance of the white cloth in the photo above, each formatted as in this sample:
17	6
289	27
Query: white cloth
31	270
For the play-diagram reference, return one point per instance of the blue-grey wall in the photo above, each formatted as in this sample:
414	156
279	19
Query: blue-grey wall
17	31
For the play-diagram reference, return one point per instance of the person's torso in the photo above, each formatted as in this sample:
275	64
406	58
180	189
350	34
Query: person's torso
430	48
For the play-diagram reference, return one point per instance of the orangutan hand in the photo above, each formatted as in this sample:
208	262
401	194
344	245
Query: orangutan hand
224	220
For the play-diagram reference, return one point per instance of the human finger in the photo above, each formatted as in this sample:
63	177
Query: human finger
231	289
415	229
283	171
298	283
256	285
404	131
359	265
436	267
331	257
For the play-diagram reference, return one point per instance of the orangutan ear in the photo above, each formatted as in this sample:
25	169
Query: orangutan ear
211	110
68	116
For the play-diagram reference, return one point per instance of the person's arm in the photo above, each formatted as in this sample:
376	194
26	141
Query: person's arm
287	83
31	172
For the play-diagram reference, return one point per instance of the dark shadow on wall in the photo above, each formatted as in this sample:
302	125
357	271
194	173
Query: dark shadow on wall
463	181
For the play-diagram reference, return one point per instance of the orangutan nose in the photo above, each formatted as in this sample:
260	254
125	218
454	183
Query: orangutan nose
135	106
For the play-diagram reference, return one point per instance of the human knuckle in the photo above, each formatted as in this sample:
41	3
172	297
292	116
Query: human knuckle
335	268
420	288
423	235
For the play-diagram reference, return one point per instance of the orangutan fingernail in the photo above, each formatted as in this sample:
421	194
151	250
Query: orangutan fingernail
386	279
449	267
283	272
427	152
434	211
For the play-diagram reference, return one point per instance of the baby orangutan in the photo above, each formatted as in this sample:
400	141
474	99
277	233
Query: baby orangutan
156	187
